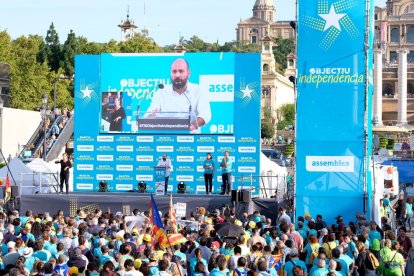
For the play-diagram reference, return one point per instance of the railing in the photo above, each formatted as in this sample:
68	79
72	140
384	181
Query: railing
394	64
39	182
270	186
48	134
61	140
32	140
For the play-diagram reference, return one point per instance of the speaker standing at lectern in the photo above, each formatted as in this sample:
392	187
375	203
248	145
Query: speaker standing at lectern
181	97
166	163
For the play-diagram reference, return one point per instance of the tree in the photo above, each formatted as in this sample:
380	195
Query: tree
287	112
139	44
240	47
267	129
284	48
30	79
195	44
69	50
51	50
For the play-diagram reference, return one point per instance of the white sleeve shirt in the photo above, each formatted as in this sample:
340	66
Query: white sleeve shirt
168	103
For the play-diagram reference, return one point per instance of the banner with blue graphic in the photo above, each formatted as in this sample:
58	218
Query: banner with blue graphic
132	109
332	108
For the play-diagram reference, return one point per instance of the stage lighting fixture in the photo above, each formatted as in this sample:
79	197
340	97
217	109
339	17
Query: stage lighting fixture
103	186
181	187
142	186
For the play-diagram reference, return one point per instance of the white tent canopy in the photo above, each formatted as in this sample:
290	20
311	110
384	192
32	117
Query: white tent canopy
275	176
40	166
30	178
23	175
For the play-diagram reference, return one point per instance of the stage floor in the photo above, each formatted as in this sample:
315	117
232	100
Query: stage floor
126	202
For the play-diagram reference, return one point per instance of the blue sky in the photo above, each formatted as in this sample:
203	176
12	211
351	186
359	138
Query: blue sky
97	20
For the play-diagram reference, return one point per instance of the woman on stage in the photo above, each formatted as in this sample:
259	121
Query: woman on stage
209	173
65	165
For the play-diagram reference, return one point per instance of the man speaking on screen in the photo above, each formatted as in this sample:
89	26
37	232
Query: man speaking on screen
181	98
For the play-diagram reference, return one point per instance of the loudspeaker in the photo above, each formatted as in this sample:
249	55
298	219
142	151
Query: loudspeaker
234	196
14	191
245	196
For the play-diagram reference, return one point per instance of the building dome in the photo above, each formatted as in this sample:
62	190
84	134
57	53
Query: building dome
263	3
264	10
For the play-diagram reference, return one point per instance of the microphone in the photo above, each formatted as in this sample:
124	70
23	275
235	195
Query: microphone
161	86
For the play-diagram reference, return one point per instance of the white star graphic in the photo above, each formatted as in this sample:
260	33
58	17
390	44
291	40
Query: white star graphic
332	18
86	92
247	92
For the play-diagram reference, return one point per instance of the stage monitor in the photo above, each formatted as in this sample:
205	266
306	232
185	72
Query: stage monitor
130	109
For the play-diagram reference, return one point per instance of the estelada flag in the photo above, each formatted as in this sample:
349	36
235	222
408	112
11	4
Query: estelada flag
7	190
158	230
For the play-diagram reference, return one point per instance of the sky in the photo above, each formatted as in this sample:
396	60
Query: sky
97	20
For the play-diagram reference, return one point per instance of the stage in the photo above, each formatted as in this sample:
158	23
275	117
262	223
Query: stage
126	202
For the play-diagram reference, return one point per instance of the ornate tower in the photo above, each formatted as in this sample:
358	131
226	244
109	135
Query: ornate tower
265	10
127	28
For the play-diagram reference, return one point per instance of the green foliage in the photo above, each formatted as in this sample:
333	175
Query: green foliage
51	50
267	129
139	44
287	112
69	50
284	48
383	142
289	150
29	79
390	145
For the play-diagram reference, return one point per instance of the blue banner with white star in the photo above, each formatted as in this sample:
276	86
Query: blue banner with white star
332	108
123	88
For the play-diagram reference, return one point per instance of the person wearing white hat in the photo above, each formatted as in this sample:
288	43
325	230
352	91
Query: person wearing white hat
30	260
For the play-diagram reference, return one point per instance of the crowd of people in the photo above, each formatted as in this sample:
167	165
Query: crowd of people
103	243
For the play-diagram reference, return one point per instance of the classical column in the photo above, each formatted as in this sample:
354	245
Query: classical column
377	109
402	86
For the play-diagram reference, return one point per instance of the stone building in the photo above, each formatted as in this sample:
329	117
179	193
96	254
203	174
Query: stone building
263	23
393	102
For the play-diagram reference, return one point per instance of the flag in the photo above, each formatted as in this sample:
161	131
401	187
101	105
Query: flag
173	218
158	230
275	261
7	190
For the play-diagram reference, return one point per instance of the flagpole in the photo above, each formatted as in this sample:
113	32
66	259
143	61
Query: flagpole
8	168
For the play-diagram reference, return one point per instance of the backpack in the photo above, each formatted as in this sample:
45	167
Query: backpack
373	260
313	256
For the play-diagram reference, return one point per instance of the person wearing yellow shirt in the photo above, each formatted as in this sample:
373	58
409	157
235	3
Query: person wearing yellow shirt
329	245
